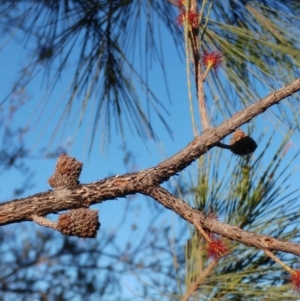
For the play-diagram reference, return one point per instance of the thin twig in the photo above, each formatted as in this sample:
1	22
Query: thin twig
198	73
188	73
196	283
203	233
276	259
222	145
42	221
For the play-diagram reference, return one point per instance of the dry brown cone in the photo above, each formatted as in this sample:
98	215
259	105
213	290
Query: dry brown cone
79	222
241	144
67	172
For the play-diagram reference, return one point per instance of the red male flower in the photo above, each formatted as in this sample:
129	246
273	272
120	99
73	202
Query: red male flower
295	279
216	249
181	3
193	18
211	59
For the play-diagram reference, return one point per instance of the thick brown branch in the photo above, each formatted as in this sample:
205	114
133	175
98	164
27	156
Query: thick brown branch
85	195
199	219
213	136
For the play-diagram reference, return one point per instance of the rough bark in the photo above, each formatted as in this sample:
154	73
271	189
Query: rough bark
147	182
200	220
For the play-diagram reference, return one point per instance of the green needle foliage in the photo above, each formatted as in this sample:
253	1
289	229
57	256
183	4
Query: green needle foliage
256	196
100	38
112	44
260	46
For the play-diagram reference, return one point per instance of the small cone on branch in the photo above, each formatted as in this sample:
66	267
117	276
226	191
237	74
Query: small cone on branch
79	222
67	172
241	144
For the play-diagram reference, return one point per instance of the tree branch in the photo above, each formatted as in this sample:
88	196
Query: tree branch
85	195
199	219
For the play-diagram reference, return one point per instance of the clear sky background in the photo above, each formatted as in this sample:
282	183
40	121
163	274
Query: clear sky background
107	161
103	161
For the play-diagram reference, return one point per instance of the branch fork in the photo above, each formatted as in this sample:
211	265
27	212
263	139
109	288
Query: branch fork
77	196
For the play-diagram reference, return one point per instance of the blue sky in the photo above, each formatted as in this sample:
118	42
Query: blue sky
102	162
106	161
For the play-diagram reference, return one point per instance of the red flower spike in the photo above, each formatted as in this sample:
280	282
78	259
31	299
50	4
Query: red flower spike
212	59
295	280
216	249
193	18
180	4
180	17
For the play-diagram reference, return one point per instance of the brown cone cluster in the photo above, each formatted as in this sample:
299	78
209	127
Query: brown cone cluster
79	222
67	172
241	144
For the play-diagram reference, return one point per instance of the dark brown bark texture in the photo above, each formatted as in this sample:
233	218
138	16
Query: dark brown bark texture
148	182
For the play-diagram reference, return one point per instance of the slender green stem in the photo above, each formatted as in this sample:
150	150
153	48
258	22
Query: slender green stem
193	35
286	267
188	72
